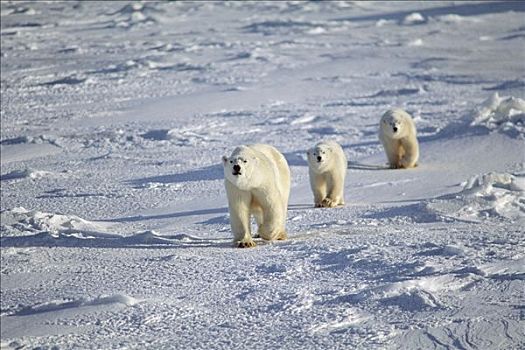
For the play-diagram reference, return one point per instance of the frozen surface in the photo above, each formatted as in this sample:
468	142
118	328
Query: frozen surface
114	220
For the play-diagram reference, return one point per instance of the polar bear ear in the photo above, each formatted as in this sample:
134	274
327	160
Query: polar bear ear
224	159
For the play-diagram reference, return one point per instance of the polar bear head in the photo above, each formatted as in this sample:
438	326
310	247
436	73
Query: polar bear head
320	157
241	168
395	123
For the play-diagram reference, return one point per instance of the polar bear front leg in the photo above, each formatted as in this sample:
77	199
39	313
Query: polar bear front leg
239	208
392	152
335	193
318	185
411	155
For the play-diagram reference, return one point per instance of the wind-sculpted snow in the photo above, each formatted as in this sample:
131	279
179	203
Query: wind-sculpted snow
506	114
486	196
115	229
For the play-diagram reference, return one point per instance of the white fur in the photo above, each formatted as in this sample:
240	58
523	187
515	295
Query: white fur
327	168
261	189
401	146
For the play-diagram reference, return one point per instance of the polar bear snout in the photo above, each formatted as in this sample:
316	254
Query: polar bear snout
236	169
394	128
319	159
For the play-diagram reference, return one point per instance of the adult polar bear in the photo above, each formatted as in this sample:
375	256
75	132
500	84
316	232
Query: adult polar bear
397	133
327	169
257	181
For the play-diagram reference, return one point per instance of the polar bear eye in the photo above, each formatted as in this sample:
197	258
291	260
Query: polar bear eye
245	161
231	161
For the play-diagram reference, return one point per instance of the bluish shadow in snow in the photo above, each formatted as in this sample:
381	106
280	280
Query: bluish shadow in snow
455	79
464	9
209	173
217	220
295	158
513	37
298	206
395	92
326	130
414	212
156	135
145	239
442	251
414	301
457	129
170	215
336	261
430	63
351	103
507	85
14	175
71	80
59	305
14	141
60	193
273	27
363	166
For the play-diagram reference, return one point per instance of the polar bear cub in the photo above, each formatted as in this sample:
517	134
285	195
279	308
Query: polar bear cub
257	181
397	133
327	169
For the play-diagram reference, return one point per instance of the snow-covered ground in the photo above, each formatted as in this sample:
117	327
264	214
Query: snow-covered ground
114	220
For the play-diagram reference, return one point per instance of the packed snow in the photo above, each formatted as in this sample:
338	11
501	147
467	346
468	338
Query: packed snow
114	219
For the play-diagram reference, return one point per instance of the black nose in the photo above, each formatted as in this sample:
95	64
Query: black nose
319	158
237	168
395	128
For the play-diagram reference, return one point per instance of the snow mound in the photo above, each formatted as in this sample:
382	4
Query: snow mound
179	136
57	305
505	270
414	18
350	318
484	196
27	174
505	114
454	18
20	221
136	14
415	294
23	228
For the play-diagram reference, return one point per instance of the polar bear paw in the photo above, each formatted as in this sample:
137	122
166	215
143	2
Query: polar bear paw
246	243
282	236
330	203
270	235
394	166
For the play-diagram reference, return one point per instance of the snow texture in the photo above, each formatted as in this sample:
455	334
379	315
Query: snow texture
114	221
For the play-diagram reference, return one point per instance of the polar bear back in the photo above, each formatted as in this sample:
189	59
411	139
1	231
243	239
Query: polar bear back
279	164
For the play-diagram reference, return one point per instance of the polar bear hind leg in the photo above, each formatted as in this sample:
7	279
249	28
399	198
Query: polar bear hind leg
410	154
272	228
